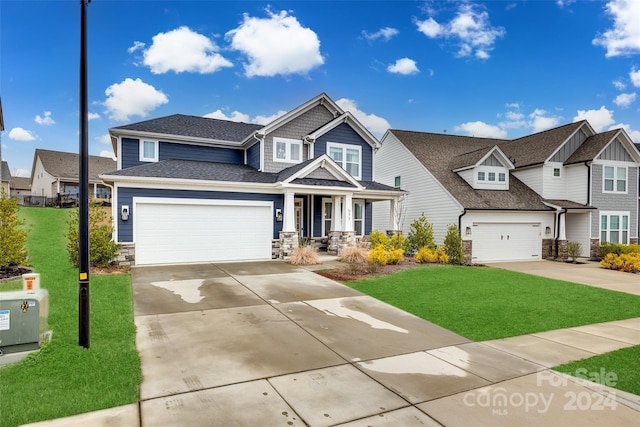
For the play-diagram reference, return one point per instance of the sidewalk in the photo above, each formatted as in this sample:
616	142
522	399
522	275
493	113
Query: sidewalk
271	344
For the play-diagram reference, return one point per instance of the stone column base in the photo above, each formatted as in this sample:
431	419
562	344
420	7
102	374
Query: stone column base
467	246
126	255
561	254
288	242
594	245
547	248
339	241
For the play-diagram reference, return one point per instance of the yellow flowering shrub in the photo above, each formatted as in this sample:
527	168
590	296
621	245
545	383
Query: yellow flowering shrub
378	255
426	255
624	262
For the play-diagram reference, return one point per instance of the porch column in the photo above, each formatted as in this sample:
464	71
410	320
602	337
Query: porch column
347	216
562	227
95	190
336	223
393	215
288	214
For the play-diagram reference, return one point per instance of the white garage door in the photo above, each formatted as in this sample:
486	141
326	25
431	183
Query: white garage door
506	242
170	231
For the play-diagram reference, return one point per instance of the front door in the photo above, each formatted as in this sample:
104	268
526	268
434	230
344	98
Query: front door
299	215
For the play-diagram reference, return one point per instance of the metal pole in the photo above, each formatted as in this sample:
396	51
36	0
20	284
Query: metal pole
83	199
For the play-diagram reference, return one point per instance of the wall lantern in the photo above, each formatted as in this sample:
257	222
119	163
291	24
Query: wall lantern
547	230
279	215
467	231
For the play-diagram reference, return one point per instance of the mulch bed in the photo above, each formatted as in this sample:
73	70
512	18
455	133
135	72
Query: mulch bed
346	273
12	271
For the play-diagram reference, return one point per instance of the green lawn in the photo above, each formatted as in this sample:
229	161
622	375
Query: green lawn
63	378
483	303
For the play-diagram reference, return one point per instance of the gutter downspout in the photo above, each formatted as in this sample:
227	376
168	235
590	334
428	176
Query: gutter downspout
562	212
587	164
464	212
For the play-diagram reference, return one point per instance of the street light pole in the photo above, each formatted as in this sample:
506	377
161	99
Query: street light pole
83	199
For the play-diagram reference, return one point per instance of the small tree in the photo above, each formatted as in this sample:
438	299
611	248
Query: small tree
13	240
102	250
574	250
420	235
453	245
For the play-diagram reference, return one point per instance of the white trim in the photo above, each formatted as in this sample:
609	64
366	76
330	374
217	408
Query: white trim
344	148
620	230
615	168
289	142
156	149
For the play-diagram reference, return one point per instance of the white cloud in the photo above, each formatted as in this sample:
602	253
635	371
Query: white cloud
46	119
24	173
563	3
236	116
618	84
481	130
625	100
470	28
540	121
624	37
132	98
404	66
375	124
137	45
276	45
182	50
107	153
93	116
104	139
514	115
598	119
634	75
263	120
633	134
20	134
385	33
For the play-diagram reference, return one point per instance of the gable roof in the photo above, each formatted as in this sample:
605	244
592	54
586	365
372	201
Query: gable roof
5	173
592	146
537	148
438	152
20	183
349	119
184	126
474	158
66	165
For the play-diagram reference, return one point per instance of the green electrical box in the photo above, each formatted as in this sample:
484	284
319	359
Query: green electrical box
23	320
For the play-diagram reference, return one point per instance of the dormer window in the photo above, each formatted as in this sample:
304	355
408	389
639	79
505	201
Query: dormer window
490	178
502	177
480	176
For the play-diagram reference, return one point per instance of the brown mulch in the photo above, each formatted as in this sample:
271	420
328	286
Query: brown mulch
13	271
346	273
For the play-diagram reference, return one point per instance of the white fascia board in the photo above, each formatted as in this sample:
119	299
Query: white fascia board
348	118
179	139
502	157
589	131
627	143
327	163
189	184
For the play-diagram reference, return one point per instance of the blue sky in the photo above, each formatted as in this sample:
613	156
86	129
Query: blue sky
496	68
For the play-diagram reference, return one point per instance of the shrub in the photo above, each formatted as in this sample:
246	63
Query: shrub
453	245
378	255
378	237
398	241
624	262
437	256
304	255
13	240
102	250
574	250
420	235
617	249
395	256
356	257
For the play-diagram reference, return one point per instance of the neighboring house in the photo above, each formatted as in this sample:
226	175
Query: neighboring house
54	174
20	187
516	199
5	178
194	189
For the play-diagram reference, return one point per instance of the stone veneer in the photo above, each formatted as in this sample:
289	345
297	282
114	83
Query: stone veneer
126	255
594	244
561	254
288	242
548	248
467	246
340	240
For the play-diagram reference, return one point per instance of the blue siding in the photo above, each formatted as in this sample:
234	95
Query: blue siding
368	218
317	216
253	156
344	134
125	197
168	150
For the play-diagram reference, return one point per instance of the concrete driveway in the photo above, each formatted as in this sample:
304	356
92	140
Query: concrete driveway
589	273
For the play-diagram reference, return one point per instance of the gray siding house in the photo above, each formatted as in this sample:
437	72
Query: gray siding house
521	199
194	189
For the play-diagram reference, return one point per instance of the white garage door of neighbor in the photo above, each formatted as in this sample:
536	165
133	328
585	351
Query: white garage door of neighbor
506	242
180	231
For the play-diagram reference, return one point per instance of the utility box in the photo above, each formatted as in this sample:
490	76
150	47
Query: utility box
23	319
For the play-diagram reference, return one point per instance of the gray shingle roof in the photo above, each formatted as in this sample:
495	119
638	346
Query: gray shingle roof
437	152
197	127
591	147
569	204
20	183
5	173
66	165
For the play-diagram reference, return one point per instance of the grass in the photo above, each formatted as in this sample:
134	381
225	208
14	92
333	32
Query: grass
622	363
63	378
483	303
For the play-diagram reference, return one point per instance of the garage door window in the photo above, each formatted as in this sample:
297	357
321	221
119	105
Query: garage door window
614	227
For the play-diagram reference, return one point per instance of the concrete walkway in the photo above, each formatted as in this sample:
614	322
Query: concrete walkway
269	344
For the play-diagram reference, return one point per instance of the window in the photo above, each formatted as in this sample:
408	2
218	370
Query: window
327	215
347	156
492	176
148	151
615	179
480	176
502	177
396	182
614	227
358	218
287	150
556	172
